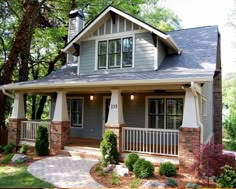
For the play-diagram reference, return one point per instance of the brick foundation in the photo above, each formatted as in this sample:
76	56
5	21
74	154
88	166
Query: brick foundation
117	129
189	142
59	135
14	126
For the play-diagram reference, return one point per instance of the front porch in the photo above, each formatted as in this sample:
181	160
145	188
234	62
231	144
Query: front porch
163	122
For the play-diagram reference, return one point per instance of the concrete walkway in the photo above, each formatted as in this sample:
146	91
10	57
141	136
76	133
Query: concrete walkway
65	172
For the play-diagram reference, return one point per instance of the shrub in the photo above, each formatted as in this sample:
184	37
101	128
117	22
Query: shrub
98	168
168	169
191	185
101	172
41	143
172	182
143	168
228	178
135	183
114	179
7	158
8	149
108	148
23	149
130	161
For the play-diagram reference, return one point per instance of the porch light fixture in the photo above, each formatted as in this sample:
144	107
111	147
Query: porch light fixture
132	97
91	97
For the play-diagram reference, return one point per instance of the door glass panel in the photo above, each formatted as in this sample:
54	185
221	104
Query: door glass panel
107	106
156	113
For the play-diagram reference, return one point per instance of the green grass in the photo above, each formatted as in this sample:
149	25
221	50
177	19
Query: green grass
18	177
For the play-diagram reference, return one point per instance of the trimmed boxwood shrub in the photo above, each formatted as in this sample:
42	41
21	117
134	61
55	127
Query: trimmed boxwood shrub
108	148
143	168
130	161
228	178
41	143
8	149
168	169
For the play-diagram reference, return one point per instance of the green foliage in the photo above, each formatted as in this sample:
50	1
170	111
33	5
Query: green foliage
7	158
19	161
102	173
143	168
227	179
98	168
172	182
135	183
191	185
41	143
130	161
9	147
23	149
108	148
114	179
168	169
1	149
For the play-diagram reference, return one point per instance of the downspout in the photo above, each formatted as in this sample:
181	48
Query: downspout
194	91
7	94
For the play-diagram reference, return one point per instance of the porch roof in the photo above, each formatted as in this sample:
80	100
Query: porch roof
196	63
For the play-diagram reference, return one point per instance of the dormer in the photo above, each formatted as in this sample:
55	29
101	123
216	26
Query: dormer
117	42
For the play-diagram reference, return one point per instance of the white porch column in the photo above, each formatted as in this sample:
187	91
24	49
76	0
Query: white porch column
190	117
115	116
61	112
18	111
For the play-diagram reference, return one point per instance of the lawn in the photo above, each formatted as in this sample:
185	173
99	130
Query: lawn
18	177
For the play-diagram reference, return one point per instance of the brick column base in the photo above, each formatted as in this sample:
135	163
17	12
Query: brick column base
14	126
189	142
117	129
59	135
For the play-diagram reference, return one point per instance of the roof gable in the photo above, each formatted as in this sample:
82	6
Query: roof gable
110	13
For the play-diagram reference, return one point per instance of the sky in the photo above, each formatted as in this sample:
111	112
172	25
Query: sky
196	13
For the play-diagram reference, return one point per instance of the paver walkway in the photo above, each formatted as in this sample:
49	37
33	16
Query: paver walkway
65	172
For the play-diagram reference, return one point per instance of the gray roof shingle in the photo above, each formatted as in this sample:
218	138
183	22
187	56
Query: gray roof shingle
197	60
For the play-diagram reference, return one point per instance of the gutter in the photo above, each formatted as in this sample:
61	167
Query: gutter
7	94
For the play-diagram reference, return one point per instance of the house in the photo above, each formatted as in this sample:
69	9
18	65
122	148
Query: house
159	92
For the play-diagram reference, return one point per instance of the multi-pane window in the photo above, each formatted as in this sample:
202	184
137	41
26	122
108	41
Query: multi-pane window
75	112
115	53
165	113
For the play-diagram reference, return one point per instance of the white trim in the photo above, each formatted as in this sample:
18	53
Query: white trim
107	61
166	37
78	65
204	106
155	49
113	83
118	23
115	35
82	121
159	97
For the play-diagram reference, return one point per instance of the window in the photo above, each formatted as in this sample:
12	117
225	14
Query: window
165	113
75	112
115	53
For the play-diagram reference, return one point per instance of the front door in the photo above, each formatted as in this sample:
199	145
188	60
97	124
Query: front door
106	107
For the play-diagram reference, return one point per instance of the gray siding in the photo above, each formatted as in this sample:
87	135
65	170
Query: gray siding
87	57
143	56
207	92
92	119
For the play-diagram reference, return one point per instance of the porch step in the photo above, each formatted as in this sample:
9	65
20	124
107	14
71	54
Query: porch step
83	152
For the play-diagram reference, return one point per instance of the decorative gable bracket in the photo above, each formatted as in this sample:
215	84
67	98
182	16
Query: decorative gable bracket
154	38
113	17
77	49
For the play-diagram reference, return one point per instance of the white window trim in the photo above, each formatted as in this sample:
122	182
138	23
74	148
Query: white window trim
82	124
157	97
204	106
106	38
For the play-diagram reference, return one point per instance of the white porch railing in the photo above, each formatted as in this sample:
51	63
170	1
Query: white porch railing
151	141
29	129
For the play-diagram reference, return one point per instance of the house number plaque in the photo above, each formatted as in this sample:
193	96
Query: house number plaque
113	106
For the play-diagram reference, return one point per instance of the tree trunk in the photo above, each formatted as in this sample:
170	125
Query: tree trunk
22	40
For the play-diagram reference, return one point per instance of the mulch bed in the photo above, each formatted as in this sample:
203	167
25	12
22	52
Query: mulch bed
124	182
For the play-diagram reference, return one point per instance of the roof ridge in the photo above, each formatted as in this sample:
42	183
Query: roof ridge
192	28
